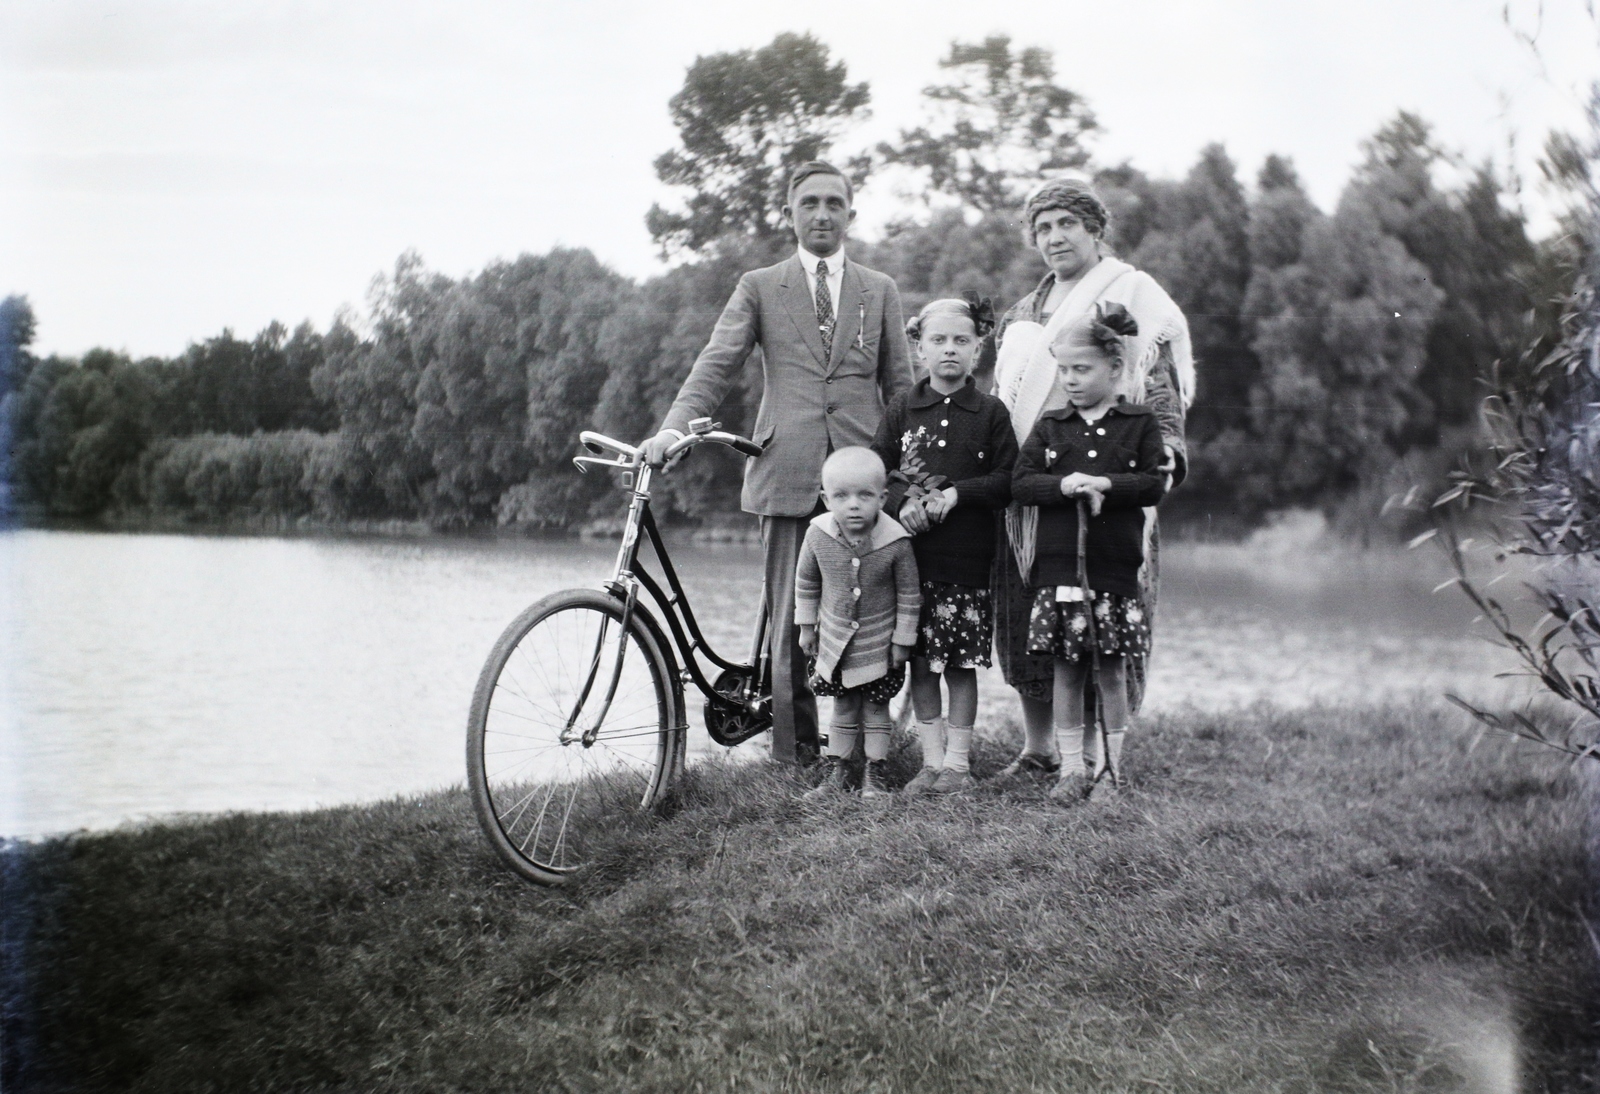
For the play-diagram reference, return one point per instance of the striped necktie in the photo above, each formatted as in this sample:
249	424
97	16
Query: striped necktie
824	309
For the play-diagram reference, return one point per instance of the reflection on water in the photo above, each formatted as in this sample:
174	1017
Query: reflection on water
149	674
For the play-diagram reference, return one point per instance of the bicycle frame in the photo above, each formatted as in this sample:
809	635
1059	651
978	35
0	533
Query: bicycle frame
750	693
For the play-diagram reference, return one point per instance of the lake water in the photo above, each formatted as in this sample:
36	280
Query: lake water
143	675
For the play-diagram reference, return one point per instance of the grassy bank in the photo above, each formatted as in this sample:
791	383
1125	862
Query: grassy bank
1321	900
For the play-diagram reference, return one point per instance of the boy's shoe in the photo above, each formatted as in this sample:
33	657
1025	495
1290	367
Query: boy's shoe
1071	788
923	782
951	781
1030	765
832	780
872	779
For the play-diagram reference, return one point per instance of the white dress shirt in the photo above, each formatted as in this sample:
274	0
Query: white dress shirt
835	276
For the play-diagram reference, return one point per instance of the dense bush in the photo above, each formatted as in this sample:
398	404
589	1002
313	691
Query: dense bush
1338	357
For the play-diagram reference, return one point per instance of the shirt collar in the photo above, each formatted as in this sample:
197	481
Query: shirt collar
885	532
1121	407
809	261
923	395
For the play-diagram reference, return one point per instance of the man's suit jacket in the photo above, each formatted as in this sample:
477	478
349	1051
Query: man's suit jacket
810	406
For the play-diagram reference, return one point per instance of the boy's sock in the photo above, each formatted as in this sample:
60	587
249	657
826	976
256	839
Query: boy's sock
1036	742
956	747
841	741
1069	740
931	734
877	742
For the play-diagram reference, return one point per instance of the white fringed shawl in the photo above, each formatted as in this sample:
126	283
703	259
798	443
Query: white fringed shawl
1025	369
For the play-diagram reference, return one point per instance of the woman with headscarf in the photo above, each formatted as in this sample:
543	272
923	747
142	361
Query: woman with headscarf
1065	220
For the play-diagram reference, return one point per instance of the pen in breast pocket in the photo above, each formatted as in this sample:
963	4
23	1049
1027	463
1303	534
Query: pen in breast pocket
861	325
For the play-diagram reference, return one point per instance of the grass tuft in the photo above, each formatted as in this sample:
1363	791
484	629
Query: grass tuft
1323	900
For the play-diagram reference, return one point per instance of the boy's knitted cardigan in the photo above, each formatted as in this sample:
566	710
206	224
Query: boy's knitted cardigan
860	599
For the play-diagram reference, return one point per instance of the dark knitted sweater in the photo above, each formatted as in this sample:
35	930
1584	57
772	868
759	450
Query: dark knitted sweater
930	440
1125	447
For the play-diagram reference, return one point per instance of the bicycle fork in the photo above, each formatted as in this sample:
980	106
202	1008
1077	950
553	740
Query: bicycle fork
623	577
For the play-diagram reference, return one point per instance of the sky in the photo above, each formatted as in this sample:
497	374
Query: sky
171	169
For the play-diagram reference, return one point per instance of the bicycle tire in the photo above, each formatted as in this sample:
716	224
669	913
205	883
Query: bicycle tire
537	788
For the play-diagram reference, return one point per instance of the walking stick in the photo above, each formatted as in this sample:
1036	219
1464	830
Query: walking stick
1094	648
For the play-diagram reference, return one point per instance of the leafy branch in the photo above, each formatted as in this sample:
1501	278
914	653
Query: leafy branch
1537	490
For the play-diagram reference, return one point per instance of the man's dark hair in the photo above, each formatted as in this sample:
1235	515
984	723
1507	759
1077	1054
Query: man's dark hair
817	167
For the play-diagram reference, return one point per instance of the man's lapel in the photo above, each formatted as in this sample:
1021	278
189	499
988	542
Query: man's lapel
801	308
854	303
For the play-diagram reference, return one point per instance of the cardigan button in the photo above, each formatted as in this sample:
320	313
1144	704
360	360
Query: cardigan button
1093	453
856	562
854	625
941	444
830	410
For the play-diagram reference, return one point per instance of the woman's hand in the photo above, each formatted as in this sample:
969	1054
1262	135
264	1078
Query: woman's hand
808	639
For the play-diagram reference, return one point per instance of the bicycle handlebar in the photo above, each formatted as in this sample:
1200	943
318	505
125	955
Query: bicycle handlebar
732	440
627	455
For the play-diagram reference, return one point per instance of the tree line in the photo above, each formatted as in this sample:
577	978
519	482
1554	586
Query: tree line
1340	353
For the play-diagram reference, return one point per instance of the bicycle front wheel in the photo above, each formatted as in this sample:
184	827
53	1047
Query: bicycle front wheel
571	721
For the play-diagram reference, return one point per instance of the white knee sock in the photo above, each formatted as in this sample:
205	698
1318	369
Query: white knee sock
841	740
877	742
1069	742
931	734
956	747
1114	740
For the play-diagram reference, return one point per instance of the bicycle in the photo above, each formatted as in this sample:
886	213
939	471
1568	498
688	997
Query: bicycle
579	711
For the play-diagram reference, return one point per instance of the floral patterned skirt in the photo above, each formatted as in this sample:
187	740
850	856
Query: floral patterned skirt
957	627
1060	628
877	691
1033	674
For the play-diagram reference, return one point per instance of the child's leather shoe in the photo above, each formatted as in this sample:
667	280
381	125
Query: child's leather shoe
1070	788
1030	765
832	780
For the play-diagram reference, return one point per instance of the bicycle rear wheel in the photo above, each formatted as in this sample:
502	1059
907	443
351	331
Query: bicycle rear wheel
548	757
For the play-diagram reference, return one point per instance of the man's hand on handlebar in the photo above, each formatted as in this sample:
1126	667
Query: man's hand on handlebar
655	449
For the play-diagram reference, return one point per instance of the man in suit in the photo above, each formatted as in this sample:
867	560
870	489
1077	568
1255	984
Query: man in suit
834	352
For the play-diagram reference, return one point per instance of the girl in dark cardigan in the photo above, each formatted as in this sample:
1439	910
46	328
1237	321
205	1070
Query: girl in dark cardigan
1110	454
950	450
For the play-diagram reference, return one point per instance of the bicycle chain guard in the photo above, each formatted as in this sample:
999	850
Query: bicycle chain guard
728	719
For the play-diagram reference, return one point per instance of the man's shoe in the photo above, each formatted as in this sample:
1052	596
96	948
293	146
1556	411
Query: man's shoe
1030	765
832	780
923	782
872	779
954	782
